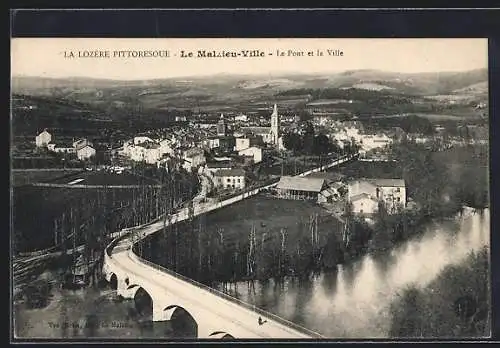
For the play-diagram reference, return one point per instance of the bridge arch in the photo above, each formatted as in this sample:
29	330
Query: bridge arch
182	322
143	300
113	281
221	335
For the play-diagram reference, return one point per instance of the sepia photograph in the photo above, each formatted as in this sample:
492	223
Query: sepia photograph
204	189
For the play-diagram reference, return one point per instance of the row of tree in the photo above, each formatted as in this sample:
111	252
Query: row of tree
213	254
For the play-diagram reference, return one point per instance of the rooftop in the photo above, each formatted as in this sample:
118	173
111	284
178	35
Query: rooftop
219	164
194	152
251	148
256	130
362	195
231	172
387	182
300	183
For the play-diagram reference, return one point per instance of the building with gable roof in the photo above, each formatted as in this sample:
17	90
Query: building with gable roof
43	139
300	188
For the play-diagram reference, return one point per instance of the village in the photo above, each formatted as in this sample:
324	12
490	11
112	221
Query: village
228	153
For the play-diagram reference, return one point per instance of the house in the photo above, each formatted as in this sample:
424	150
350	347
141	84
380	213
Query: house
392	192
300	188
230	178
226	144
166	147
246	142
85	152
370	142
152	153
211	142
214	167
43	139
137	153
193	158
254	152
364	204
241	118
80	143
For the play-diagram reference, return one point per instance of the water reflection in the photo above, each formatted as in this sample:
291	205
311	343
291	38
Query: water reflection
354	300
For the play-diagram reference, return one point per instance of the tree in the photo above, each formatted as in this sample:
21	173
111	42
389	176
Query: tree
308	138
321	145
292	141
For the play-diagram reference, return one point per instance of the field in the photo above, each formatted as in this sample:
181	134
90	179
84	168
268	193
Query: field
269	216
224	239
27	176
104	178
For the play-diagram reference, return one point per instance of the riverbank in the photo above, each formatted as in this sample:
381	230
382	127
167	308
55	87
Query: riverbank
361	299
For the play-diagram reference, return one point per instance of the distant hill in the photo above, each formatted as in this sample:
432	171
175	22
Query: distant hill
228	89
476	88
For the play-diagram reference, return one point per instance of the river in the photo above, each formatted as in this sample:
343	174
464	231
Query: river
354	301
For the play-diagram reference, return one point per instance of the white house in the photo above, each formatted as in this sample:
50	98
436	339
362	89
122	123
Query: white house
230	178
241	118
370	142
137	153
166	147
211	143
193	158
43	139
85	152
246	142
390	191
254	152
80	143
152	153
364	204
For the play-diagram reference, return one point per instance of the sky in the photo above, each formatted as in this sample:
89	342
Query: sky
46	57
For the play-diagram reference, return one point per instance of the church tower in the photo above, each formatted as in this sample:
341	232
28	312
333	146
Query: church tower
275	125
221	127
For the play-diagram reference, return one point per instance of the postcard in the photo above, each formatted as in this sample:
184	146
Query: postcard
250	188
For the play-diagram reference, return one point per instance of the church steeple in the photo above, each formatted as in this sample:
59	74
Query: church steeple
275	110
275	125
